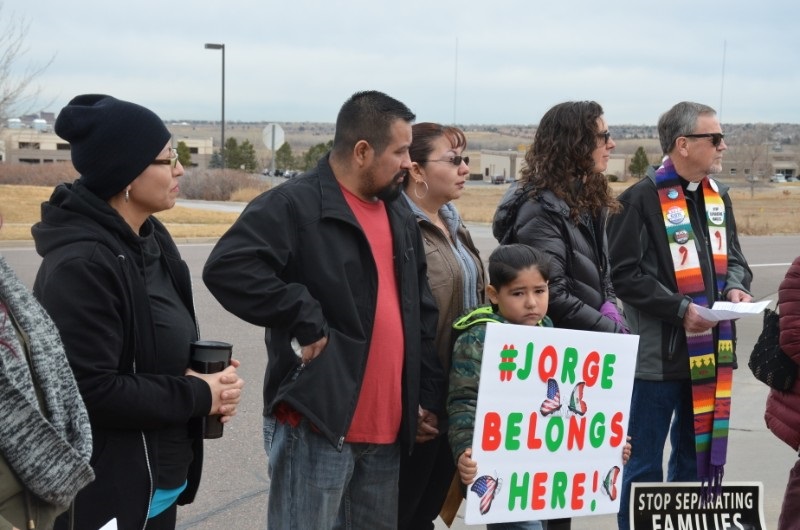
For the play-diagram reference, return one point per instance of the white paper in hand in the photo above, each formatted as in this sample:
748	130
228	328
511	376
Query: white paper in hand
731	310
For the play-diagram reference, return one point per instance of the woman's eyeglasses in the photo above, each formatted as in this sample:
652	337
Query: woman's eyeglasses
172	160
455	160
716	138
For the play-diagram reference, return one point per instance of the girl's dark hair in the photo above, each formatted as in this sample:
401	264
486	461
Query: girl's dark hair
561	156
506	261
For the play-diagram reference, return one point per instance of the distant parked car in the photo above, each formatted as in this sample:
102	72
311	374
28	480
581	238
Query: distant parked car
791	178
498	179
777	177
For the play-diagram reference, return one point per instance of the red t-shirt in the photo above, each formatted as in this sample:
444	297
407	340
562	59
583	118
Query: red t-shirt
379	409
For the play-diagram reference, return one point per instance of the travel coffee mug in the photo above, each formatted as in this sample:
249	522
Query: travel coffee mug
209	357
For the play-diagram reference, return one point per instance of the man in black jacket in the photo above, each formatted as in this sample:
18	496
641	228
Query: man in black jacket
674	248
336	270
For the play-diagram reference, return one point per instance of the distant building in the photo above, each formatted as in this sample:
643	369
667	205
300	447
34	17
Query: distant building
201	150
40	125
618	166
784	162
506	166
501	166
31	146
38	145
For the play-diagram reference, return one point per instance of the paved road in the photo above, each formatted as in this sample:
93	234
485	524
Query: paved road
233	492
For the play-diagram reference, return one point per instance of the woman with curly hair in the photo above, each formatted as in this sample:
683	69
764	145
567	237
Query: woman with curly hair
560	206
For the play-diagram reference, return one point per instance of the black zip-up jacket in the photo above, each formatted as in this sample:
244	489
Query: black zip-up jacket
644	275
580	274
297	262
92	284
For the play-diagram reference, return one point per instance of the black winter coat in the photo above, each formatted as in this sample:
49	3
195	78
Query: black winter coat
644	275
92	284
297	262
580	278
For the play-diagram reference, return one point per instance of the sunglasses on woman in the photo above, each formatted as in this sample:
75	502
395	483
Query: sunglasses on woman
455	160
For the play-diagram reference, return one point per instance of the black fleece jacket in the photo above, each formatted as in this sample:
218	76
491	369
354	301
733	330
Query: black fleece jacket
92	283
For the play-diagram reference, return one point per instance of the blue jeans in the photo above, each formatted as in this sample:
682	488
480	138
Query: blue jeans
658	409
312	485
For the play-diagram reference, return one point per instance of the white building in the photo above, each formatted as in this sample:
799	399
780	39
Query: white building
35	146
501	166
505	166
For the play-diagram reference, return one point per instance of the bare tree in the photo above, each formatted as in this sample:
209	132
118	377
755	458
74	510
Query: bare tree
16	88
751	152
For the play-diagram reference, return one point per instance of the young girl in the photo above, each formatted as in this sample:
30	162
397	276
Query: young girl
518	277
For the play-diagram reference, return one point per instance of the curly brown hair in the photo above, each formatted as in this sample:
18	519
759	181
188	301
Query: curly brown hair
560	157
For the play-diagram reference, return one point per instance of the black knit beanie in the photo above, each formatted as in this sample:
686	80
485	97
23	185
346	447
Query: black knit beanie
112	141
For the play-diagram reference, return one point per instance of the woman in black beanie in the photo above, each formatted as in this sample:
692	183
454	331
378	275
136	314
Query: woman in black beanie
115	285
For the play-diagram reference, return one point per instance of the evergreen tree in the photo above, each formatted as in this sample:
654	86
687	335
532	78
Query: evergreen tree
283	157
184	155
216	161
313	155
230	152
639	163
247	156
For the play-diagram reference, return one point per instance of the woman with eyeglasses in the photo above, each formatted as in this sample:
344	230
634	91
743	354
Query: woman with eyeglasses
438	174
115	285
560	206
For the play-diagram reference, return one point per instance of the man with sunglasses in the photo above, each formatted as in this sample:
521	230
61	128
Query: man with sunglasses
675	247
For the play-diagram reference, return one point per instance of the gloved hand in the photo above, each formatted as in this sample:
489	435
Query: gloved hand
609	310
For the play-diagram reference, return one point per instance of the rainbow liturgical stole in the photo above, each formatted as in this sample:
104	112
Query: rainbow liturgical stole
710	361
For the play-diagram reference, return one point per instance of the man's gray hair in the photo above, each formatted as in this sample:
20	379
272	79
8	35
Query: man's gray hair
681	119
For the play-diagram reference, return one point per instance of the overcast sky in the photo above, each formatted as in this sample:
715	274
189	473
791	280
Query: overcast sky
467	61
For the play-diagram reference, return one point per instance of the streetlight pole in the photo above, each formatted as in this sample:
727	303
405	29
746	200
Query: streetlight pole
211	46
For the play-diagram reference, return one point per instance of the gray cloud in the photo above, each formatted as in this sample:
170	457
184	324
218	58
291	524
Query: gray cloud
298	60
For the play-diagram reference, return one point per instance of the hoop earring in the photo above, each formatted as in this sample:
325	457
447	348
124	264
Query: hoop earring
417	195
127	195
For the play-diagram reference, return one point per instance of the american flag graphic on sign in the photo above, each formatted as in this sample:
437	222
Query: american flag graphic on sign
553	402
485	487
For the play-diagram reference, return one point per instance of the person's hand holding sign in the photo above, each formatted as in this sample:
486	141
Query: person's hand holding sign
467	467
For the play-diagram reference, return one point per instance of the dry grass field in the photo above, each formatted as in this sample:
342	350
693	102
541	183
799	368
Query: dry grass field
20	209
771	210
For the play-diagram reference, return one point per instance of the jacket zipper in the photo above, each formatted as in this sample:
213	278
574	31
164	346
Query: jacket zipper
122	259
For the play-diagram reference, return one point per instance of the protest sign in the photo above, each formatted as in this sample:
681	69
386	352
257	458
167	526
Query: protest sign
678	506
550	423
